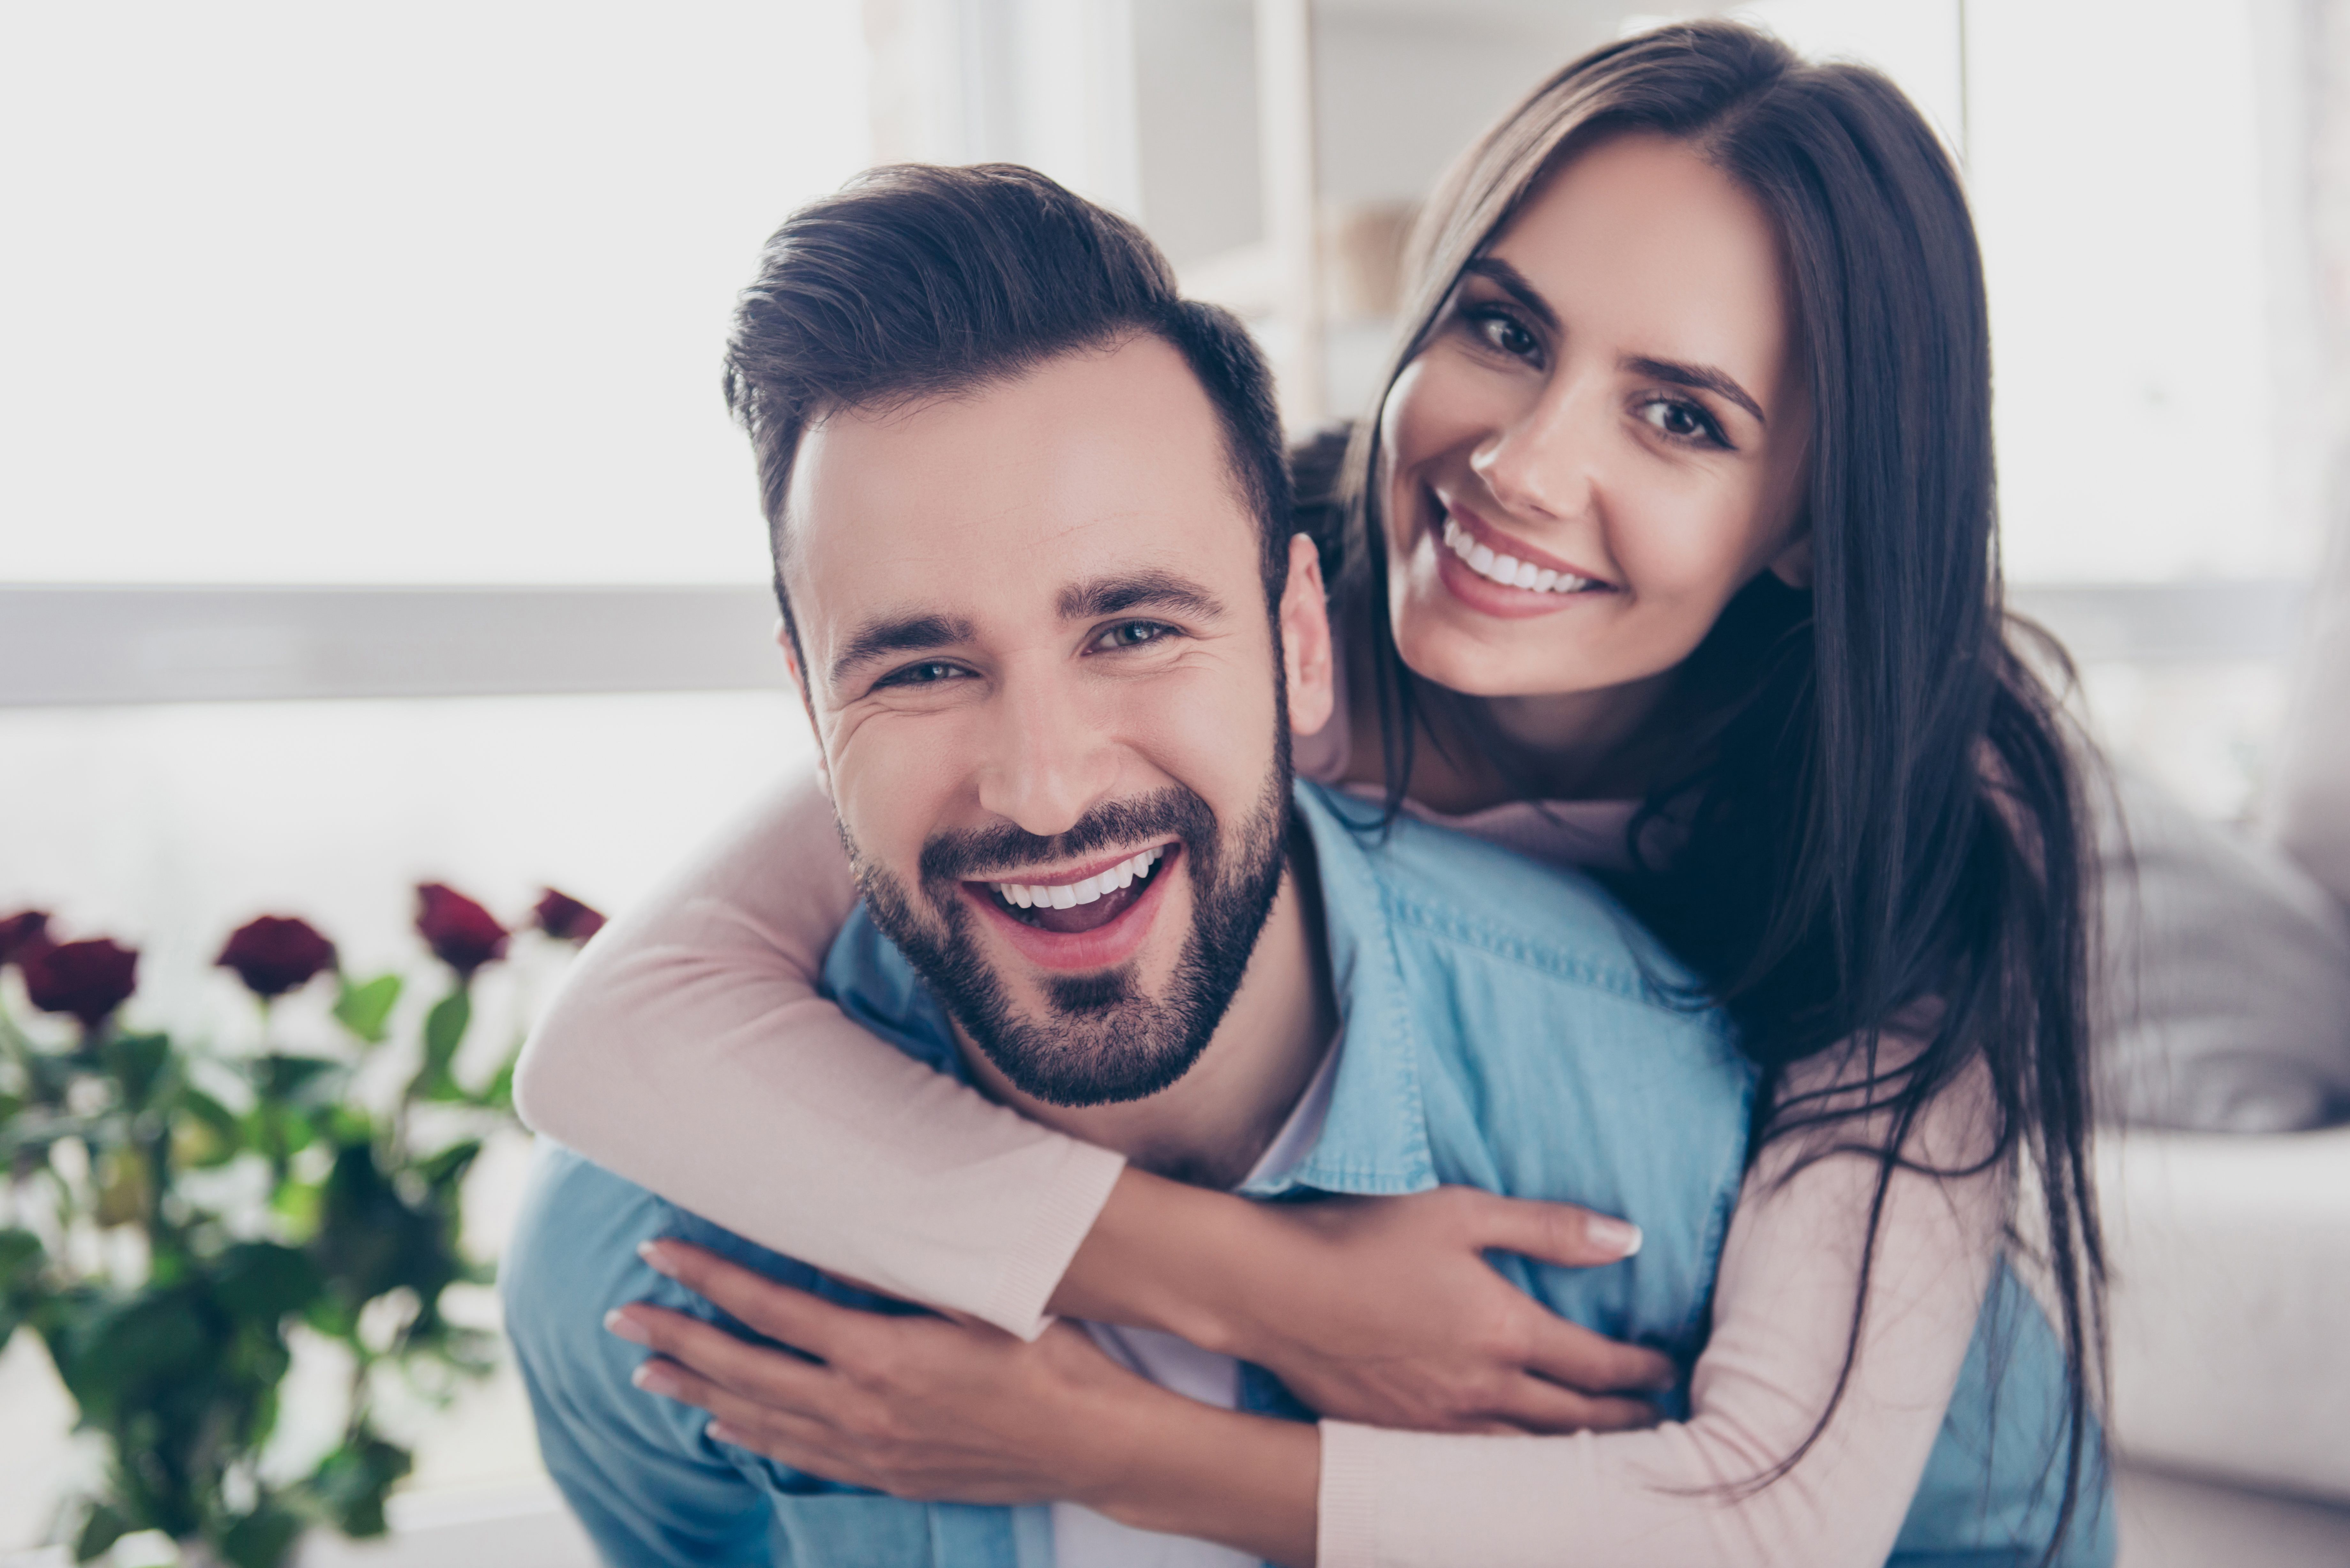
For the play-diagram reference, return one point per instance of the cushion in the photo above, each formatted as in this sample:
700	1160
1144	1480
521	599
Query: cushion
2231	1286
2225	996
2309	806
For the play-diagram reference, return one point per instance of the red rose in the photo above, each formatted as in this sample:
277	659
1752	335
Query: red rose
460	933
565	919
86	978
274	955
23	932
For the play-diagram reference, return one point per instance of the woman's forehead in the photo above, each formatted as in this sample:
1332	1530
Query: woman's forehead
1641	235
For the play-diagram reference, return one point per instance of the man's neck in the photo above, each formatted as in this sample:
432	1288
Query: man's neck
1212	1126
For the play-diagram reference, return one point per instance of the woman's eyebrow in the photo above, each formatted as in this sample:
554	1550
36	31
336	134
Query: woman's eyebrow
1500	274
1702	378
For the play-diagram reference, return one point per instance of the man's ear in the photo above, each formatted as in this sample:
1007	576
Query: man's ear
1306	652
1792	565
799	683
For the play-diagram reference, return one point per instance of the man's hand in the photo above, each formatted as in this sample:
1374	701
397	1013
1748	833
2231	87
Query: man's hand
928	1408
918	1407
1378	1310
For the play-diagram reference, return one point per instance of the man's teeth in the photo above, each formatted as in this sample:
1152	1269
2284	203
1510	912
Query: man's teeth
1069	895
1508	570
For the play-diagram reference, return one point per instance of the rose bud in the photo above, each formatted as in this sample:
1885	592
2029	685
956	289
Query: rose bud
23	932
460	933
274	954
86	978
565	919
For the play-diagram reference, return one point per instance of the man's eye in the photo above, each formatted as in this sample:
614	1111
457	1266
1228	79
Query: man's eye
929	672
1132	634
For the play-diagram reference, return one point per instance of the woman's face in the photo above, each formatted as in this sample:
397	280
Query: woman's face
1603	439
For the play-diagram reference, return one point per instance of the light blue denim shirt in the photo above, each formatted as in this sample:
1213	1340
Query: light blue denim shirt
1505	1026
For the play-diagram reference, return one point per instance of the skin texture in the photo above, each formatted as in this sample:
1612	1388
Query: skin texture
1544	408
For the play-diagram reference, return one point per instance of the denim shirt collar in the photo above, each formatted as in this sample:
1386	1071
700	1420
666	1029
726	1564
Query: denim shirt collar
1374	1140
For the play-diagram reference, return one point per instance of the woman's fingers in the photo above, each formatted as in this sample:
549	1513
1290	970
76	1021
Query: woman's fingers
1570	1354
774	1378
783	1436
1534	1406
798	1319
1562	1233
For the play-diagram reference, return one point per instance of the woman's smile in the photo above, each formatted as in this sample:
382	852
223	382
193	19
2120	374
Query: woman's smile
1496	573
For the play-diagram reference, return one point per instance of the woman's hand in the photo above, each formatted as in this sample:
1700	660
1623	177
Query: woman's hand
1378	1310
928	1408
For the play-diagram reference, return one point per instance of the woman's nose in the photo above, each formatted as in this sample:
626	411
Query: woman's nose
1049	759
1539	465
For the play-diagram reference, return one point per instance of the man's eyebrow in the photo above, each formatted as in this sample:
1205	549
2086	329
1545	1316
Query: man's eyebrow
1705	378
1137	590
899	634
1500	274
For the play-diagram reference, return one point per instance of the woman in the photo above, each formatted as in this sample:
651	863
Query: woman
1670	552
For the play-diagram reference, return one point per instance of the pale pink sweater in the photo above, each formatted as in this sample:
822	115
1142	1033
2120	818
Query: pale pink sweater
689	1050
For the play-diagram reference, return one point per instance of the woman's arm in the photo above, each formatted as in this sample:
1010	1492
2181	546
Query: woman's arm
691	1051
1784	1306
1027	1423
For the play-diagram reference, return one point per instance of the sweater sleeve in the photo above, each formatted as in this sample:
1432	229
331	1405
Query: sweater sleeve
691	1051
1671	1497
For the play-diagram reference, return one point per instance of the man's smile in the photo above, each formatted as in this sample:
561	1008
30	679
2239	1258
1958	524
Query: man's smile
1086	917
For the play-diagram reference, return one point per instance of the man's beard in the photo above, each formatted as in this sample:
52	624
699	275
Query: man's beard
1102	1039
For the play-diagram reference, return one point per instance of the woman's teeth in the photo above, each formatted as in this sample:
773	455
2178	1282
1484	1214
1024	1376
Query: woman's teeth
1508	570
1069	895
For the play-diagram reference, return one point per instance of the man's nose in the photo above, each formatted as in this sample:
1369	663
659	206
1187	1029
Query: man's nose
1542	464
1049	759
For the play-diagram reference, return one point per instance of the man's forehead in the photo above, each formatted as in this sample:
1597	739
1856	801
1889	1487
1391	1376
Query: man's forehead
1094	466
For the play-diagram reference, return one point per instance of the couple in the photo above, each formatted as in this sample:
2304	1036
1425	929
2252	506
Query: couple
1669	557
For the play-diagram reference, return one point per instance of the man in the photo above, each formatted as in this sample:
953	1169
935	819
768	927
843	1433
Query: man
1042	604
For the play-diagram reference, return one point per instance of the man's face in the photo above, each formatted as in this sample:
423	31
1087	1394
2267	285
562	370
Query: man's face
1049	698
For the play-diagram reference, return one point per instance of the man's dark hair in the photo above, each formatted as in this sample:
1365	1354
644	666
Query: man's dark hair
917	282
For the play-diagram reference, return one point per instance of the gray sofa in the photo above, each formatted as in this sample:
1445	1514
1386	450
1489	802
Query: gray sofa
2230	1396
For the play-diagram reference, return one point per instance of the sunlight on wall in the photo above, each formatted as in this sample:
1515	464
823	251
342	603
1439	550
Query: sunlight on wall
429	293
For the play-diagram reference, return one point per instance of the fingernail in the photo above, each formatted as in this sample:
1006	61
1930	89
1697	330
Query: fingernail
657	1258
627	1328
1619	1236
719	1432
654	1378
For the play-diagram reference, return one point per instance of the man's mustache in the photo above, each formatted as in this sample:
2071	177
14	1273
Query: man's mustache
986	854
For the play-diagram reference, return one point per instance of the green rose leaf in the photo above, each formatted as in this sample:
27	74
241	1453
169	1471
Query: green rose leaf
298	1080
366	1009
444	1170
206	1134
351	1483
262	1538
21	1257
445	1032
101	1529
262	1281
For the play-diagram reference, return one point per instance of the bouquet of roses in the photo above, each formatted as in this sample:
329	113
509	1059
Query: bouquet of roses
172	1211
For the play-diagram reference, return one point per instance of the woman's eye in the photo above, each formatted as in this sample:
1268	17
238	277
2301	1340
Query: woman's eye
1682	422
1500	330
1132	634
929	672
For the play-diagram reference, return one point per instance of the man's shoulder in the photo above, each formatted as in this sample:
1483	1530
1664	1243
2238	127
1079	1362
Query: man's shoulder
1454	894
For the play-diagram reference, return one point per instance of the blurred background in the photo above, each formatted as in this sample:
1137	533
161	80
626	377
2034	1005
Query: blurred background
368	515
